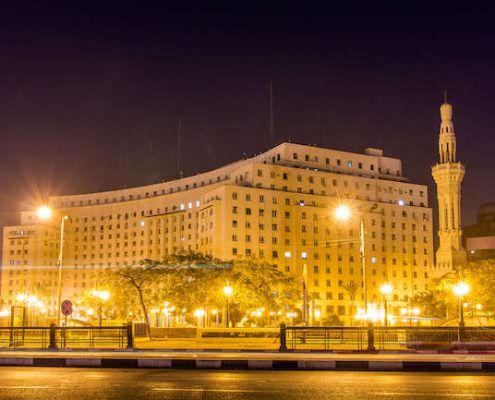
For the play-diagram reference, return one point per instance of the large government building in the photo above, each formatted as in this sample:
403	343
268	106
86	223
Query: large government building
277	206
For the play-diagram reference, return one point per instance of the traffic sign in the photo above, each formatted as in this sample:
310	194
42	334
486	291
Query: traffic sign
66	307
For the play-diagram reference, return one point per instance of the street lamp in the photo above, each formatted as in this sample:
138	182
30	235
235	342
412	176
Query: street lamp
386	289
102	295
167	309
199	314
46	213
343	213
227	291
460	290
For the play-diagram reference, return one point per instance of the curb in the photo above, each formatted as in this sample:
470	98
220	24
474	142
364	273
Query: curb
246	364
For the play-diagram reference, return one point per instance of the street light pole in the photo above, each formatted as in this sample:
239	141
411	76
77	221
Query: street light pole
363	264
59	268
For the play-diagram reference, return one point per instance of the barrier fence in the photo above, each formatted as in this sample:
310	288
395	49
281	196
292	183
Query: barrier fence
53	337
299	338
292	338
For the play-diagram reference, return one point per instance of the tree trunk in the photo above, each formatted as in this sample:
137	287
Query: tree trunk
145	311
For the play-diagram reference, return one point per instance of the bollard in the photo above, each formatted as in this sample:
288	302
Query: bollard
371	337
53	337
283	338
130	337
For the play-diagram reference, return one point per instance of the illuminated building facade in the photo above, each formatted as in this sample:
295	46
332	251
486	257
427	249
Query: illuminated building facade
277	206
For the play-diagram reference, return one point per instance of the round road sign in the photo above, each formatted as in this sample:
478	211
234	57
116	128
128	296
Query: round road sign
66	307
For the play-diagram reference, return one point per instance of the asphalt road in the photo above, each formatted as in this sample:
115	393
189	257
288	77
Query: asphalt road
122	384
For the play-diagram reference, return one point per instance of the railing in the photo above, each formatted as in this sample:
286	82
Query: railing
325	338
336	338
53	337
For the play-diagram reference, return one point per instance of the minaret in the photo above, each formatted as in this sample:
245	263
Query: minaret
448	174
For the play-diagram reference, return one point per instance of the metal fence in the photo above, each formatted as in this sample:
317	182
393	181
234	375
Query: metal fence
370	338
52	338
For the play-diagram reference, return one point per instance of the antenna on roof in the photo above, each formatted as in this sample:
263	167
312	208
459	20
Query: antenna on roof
445	96
272	124
179	171
151	160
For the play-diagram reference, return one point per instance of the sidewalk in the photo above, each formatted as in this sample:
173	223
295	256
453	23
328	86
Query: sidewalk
383	361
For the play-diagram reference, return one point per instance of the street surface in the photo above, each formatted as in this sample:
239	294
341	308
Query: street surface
123	384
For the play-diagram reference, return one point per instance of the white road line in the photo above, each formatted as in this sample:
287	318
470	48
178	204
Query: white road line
210	390
26	387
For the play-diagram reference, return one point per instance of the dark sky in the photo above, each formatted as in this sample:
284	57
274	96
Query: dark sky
82	88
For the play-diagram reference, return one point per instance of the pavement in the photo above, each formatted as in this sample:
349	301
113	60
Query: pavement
383	361
133	384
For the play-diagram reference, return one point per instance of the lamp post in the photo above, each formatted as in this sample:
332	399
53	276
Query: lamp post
199	314
45	213
227	291
102	295
386	289
343	213
460	290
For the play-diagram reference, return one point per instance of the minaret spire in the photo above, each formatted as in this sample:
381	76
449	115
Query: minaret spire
448	175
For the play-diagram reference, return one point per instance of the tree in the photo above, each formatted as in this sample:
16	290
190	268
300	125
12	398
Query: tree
137	278
191	280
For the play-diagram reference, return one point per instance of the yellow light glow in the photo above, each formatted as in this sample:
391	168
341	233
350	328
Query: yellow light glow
228	290
461	289
90	311
44	212
103	295
416	311
214	311
199	313
342	212
386	289
479	306
20	297
317	314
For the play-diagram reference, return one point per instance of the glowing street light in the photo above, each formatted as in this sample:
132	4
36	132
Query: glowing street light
342	213
103	296
199	314
461	290
45	213
386	289
227	291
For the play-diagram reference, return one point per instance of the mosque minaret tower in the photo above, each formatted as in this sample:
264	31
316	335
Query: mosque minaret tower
448	174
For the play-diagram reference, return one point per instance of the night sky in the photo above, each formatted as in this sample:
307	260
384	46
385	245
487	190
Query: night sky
87	94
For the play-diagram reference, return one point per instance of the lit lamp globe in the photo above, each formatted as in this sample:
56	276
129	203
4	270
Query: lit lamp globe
228	290
104	295
386	289
44	212
462	289
342	212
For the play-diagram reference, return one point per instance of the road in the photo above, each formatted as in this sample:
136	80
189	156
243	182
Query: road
123	384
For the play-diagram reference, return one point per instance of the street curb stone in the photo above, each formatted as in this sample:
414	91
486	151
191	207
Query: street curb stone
254	364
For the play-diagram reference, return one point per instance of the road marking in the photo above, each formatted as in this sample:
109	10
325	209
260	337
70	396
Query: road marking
26	387
210	390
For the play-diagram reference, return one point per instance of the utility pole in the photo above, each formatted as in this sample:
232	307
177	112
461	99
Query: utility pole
272	124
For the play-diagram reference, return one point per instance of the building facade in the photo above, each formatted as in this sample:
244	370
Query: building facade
480	238
448	174
276	206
